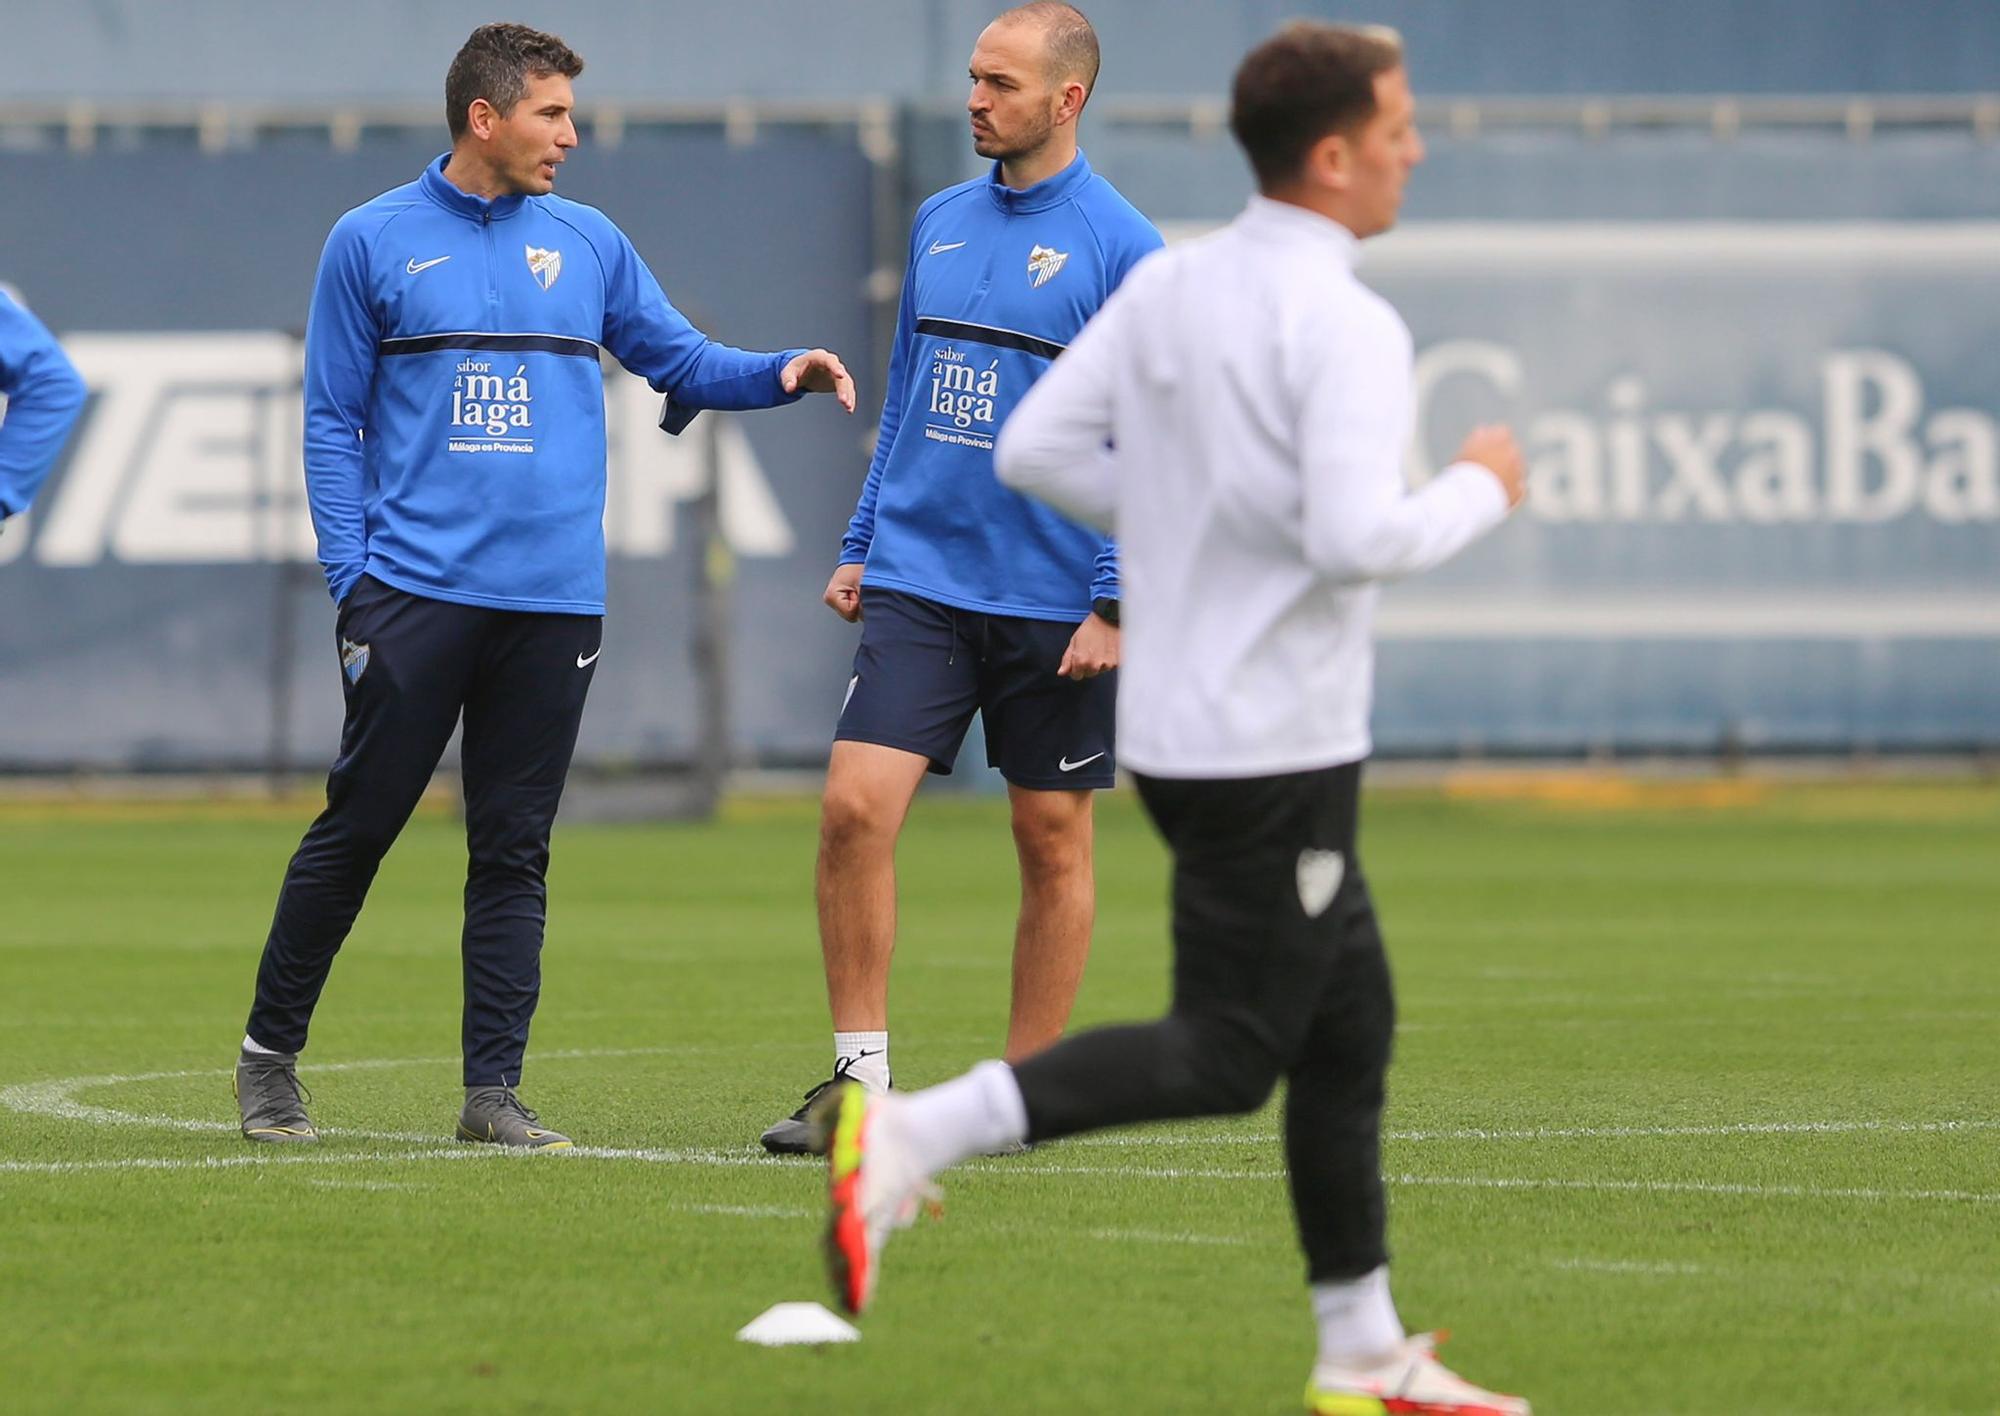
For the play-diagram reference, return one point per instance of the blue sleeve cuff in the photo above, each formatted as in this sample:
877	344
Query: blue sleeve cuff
1104	577
778	374
740	394
674	418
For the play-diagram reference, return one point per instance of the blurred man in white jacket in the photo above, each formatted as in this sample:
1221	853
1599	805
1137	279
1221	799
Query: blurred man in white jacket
1237	414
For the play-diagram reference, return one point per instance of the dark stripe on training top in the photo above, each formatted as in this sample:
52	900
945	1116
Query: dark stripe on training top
986	334
536	343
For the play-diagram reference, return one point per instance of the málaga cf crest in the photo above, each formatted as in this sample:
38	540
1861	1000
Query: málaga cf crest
353	660
1043	263
545	266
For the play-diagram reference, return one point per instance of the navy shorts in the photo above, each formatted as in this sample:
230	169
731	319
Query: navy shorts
923	669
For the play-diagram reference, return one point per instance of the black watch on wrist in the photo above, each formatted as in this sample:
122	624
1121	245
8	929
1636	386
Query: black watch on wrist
1105	609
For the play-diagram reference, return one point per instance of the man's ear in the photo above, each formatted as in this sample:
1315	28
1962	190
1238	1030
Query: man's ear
1074	96
1330	163
480	116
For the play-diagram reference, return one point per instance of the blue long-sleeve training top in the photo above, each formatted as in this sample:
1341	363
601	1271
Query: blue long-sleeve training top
999	281
454	402
44	395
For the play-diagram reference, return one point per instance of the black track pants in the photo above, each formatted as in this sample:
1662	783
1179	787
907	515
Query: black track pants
1278	973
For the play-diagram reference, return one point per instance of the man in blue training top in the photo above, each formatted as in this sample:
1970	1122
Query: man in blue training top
44	395
971	597
454	452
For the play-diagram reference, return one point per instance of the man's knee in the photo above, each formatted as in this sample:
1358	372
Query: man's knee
1224	1069
852	821
507	834
361	821
1052	833
520	860
868	792
357	840
856	814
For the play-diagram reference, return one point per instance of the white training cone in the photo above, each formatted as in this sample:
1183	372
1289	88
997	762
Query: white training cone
793	1324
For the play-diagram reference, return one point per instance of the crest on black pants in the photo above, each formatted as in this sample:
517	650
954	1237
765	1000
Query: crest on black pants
1320	873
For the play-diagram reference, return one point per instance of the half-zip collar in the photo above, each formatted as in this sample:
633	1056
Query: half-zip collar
452	198
1266	219
1049	192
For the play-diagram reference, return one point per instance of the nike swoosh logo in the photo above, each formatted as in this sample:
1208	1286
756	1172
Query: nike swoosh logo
1069	766
938	248
583	663
416	267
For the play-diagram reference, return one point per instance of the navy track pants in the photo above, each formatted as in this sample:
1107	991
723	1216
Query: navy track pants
411	667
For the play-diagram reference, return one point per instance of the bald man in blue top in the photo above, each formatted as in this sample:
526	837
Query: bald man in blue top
971	597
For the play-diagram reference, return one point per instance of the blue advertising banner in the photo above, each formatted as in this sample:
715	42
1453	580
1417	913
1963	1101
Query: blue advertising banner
1765	466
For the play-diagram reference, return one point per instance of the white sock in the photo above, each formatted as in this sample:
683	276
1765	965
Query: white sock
863	1057
967	1116
1357	1319
250	1044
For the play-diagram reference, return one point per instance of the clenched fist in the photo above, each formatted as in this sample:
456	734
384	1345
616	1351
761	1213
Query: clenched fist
1492	446
843	592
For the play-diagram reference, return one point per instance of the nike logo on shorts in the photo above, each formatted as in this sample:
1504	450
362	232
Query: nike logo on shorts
1068	766
583	663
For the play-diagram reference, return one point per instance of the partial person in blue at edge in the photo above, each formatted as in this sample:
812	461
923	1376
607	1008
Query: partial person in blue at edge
971	597
44	395
455	467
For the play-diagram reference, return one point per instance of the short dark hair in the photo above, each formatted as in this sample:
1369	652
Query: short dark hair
495	64
1072	43
1304	83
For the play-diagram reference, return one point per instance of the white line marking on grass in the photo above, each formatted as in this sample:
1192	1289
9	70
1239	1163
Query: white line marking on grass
1697	1187
1154	1236
316	1156
750	1211
1500	1182
1737	1128
690	1155
1147	1138
230	1162
326	1184
57	1098
1125	1172
1554	1133
1623	1266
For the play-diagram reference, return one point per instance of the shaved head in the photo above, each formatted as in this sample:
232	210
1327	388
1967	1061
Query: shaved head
1069	43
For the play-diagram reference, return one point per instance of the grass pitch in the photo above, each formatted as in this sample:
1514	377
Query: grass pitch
1696	1110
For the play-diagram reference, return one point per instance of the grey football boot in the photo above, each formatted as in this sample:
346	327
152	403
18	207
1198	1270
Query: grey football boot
271	1099
495	1115
795	1135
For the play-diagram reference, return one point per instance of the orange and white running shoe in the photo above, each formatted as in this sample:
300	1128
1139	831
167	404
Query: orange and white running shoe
1410	1380
874	1185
